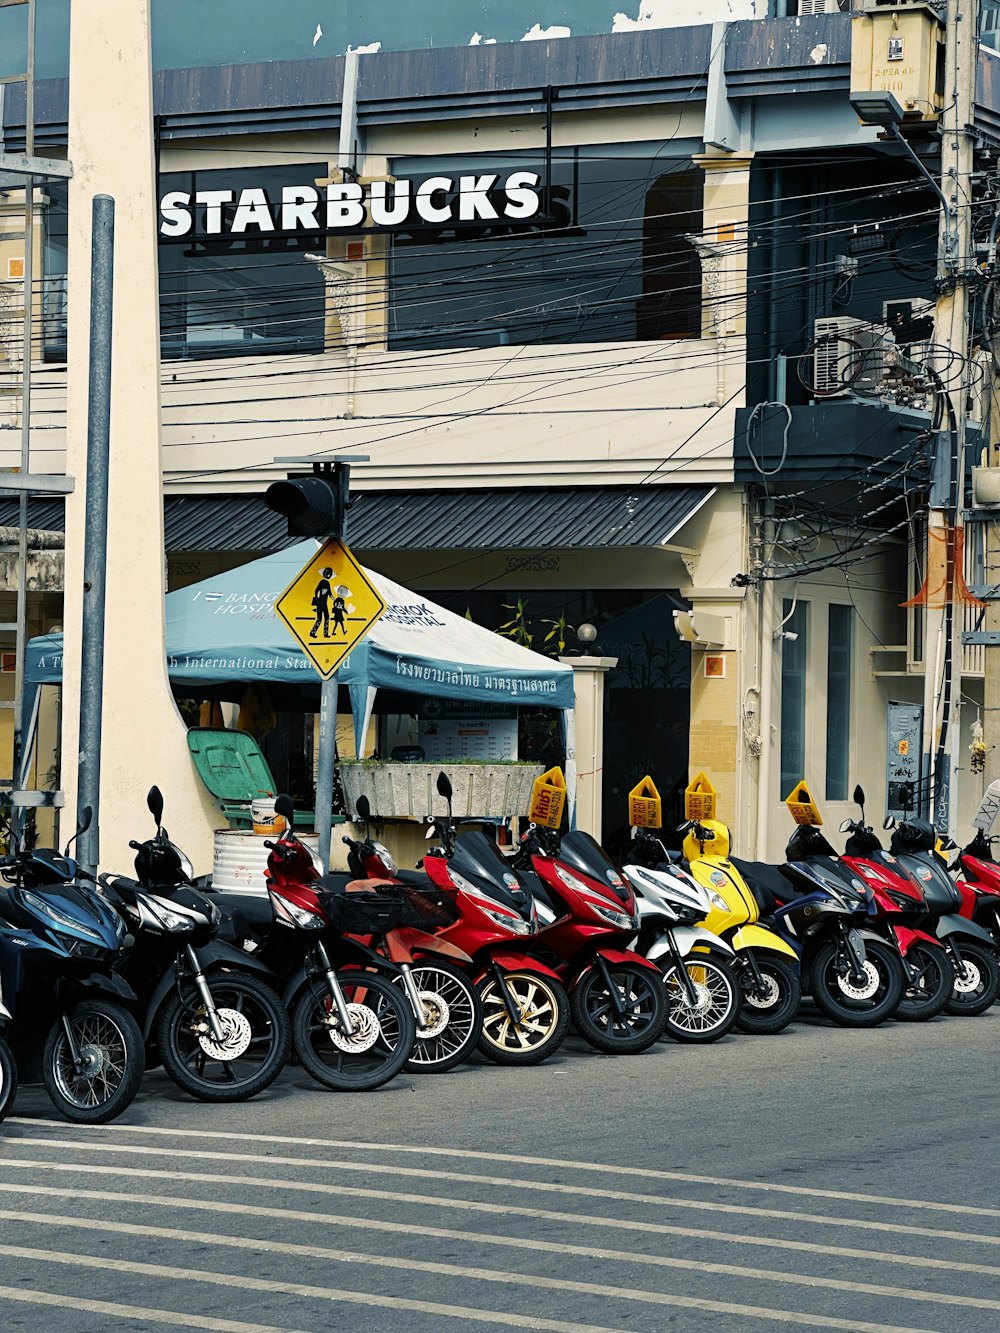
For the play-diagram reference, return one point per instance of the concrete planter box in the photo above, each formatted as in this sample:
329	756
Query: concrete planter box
409	790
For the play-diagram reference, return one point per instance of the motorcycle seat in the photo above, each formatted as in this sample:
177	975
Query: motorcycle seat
767	884
415	877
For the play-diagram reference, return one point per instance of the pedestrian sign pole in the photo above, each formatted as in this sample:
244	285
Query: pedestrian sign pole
328	607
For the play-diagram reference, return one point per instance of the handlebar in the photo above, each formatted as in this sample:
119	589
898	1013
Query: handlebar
135	846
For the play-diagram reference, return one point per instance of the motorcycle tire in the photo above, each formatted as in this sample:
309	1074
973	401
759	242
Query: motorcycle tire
110	1043
974	991
254	1048
858	1007
544	1008
718	1004
927	996
384	1038
645	1002
453	1017
8	1078
764	1016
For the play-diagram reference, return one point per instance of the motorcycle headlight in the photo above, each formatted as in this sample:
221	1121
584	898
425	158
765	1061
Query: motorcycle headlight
621	919
717	901
287	913
515	924
187	869
58	918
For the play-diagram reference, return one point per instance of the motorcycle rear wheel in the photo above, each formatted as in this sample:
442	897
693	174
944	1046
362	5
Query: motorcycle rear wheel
385	1033
443	982
927	996
644	999
765	1016
718	1003
252	1053
977	988
110	1043
544	1008
8	1079
858	1006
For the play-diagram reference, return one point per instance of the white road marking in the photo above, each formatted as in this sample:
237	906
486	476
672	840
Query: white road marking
248	1284
491	1238
509	1182
114	1310
506	1276
506	1159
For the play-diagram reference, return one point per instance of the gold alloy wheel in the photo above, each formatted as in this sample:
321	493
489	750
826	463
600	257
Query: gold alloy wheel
537	1005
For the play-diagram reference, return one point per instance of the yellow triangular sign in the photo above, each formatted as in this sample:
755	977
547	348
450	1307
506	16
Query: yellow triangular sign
548	797
802	806
644	806
330	606
699	798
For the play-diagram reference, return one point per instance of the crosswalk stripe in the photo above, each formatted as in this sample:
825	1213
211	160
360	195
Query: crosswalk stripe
105	1264
480	1274
116	1310
562	1164
509	1182
491	1238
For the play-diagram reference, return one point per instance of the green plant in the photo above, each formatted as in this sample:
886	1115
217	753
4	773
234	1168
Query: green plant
558	635
517	628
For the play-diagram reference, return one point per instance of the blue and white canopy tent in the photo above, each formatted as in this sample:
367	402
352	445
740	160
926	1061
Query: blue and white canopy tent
225	630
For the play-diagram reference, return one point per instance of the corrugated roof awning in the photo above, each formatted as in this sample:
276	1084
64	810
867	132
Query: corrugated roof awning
514	518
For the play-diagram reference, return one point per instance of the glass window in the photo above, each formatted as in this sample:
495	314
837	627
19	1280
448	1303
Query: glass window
606	261
794	658
839	662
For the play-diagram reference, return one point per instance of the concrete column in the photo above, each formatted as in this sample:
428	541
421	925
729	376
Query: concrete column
588	708
111	147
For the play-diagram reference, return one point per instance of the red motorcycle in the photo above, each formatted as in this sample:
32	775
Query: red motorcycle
899	904
618	999
980	890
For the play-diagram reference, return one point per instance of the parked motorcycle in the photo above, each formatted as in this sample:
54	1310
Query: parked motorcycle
854	976
900	906
8	1065
617	996
63	1003
978	884
220	1030
977	971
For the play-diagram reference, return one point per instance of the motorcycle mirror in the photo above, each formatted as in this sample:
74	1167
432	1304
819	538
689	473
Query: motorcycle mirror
154	803
859	800
444	787
86	815
845	826
889	822
284	806
364	809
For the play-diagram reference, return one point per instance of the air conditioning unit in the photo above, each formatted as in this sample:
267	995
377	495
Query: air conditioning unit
819	7
849	356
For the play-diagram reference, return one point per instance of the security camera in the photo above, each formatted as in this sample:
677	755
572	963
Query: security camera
788	634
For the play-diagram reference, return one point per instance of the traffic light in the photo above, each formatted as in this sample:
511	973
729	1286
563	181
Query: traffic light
314	505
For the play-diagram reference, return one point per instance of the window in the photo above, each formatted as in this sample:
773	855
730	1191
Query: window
607	260
794	658
839	660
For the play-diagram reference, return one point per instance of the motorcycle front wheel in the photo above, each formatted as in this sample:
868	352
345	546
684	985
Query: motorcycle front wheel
641	997
543	1006
768	1006
374	1052
929	989
103	1081
8	1078
975	988
451	1020
851	1003
716	1005
247	1057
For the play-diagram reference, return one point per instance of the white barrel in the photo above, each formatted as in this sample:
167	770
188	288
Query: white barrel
240	860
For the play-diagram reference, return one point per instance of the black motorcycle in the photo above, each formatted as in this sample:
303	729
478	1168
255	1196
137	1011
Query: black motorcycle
220	1029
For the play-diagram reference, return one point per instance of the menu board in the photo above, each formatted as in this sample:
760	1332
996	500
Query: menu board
452	729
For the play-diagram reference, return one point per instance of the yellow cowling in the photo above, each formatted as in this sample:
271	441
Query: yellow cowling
717	847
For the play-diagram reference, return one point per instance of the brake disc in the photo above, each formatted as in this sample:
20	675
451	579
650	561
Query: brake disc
436	1015
864	992
367	1030
236	1034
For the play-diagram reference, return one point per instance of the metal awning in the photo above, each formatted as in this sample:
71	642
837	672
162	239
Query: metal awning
510	518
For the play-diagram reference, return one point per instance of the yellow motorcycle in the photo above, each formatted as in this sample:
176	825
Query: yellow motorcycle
767	967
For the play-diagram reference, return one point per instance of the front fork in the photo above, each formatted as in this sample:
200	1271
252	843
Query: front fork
509	1002
74	1049
690	990
601	964
198	976
412	994
753	977
856	958
339	999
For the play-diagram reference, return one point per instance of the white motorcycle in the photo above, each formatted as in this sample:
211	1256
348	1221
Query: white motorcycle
703	987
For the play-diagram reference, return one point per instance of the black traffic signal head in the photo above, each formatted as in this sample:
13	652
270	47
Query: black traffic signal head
312	505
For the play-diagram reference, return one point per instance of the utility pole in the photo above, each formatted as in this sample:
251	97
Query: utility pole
944	582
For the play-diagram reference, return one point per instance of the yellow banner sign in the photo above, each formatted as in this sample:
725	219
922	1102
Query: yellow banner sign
645	810
548	799
699	798
802	806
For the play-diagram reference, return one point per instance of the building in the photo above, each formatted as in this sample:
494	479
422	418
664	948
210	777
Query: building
561	292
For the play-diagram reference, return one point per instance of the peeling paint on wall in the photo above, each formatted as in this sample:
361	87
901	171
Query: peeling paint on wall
819	54
677	13
540	34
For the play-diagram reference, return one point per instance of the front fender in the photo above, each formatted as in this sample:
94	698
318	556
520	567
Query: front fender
519	962
626	956
217	953
759	937
946	926
907	938
697	939
106	983
420	942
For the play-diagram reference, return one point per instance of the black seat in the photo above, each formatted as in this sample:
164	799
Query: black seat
419	878
767	884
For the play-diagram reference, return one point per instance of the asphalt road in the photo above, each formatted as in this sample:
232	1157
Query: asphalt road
820	1179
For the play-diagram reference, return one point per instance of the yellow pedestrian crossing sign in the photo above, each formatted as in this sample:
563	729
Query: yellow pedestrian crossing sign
330	606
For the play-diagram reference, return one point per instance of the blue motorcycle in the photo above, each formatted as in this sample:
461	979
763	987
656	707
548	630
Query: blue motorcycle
67	1025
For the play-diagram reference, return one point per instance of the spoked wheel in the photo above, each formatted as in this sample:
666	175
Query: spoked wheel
716	1004
768	1006
632	1024
101	1082
975	987
857	1002
374	1052
8	1079
928	985
452	1018
543	1006
247	1057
